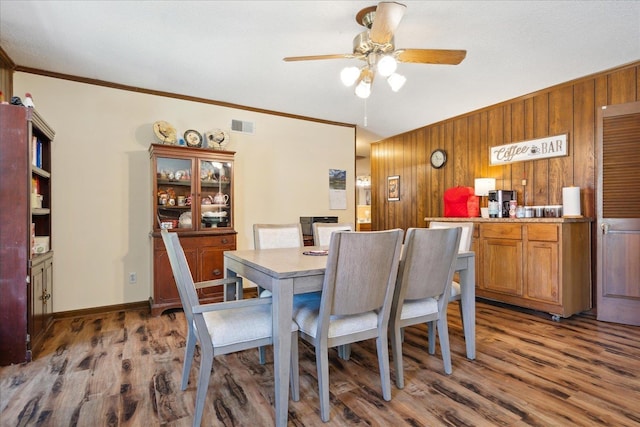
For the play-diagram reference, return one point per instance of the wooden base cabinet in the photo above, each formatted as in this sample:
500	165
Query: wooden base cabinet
205	257
41	304
543	263
542	266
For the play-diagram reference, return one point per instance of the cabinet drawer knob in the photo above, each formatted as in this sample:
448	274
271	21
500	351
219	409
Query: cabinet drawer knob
225	240
217	272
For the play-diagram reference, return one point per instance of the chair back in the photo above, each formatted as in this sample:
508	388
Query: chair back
184	282
272	236
361	273
322	231
427	264
465	237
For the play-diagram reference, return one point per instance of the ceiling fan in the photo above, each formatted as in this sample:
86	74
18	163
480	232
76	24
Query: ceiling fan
375	46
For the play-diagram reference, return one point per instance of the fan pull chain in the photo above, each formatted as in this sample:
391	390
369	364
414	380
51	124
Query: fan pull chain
365	113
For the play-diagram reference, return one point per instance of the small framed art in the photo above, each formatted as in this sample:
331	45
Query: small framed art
393	188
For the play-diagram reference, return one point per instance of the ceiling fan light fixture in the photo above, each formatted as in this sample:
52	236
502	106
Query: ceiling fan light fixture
349	75
396	81
363	89
387	65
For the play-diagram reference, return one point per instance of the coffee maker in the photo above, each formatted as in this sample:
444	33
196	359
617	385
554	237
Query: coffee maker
499	202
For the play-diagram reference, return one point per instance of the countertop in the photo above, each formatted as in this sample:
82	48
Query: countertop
511	220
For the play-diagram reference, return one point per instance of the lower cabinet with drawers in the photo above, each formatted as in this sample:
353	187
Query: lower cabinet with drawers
205	257
541	264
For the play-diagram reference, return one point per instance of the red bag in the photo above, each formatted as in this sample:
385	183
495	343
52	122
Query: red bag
461	202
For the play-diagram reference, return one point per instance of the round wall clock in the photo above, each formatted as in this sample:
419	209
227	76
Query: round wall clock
438	158
193	138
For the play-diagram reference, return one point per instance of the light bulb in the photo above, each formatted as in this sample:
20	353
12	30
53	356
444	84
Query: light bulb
396	81
363	90
349	75
387	65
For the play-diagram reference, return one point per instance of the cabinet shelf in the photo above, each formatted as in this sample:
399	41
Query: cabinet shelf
40	172
184	182
214	184
40	211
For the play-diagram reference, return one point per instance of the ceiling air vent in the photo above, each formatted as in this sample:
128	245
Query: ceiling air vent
242	126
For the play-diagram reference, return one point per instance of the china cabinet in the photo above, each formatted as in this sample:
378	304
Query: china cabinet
542	264
192	194
26	258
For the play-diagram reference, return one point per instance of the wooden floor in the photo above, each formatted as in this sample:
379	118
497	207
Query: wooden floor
123	369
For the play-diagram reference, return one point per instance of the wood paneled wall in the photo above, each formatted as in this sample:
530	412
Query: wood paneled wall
566	108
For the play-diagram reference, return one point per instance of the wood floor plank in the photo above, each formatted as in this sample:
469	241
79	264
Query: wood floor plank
124	369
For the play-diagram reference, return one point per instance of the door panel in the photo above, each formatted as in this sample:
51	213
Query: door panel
618	210
542	272
502	266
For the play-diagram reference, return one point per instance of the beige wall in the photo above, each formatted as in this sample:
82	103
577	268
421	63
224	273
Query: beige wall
101	179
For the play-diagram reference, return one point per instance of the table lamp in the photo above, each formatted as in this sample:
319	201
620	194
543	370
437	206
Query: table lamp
482	188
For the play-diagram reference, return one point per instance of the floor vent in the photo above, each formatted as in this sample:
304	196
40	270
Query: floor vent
242	126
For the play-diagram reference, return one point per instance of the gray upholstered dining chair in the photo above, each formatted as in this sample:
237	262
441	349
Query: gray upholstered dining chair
423	283
275	236
355	301
220	328
272	236
465	246
322	231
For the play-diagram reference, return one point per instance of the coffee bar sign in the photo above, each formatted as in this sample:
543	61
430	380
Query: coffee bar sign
534	149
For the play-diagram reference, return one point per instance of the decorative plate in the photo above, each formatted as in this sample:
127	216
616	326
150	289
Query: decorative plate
216	139
165	133
193	138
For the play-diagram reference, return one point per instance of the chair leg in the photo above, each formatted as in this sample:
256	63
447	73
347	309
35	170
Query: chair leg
322	364
262	351
344	351
383	362
188	356
396	349
295	374
432	337
206	362
443	334
262	354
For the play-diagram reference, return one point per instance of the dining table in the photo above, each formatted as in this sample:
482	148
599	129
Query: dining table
286	272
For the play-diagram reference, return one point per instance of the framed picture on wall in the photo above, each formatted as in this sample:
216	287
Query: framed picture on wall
393	188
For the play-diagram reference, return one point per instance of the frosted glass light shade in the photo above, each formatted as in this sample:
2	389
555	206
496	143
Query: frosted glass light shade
387	65
349	75
363	90
484	185
396	81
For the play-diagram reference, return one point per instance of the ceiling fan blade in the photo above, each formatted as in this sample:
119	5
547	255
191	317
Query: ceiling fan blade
314	57
431	56
386	21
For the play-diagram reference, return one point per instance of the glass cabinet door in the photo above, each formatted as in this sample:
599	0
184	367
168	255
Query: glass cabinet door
174	193
216	198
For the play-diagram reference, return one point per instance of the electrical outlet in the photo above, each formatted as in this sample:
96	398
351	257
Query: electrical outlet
524	182
133	278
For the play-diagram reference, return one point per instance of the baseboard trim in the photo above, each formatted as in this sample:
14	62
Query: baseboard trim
104	309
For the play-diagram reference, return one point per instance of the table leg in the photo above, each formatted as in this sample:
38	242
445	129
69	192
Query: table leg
282	297
232	293
468	301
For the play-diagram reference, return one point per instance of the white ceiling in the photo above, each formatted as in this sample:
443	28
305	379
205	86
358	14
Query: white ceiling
231	51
